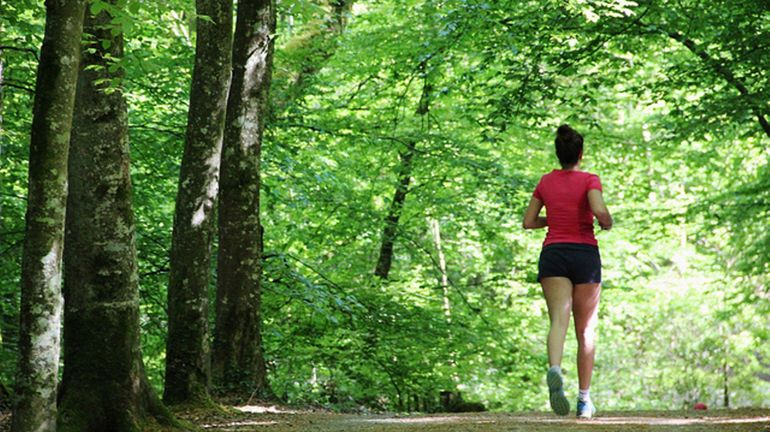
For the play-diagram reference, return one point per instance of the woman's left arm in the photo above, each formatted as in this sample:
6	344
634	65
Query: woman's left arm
532	220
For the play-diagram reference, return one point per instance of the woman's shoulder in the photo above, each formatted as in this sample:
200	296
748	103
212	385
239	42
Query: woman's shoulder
592	181
589	175
550	174
569	173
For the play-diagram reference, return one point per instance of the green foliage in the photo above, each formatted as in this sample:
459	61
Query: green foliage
478	87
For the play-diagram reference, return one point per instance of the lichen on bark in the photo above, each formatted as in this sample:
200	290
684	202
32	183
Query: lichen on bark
187	350
102	389
41	303
238	363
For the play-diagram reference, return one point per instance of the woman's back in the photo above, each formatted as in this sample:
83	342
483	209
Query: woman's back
565	196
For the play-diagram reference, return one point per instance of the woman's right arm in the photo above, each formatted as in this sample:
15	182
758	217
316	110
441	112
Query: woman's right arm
532	218
599	209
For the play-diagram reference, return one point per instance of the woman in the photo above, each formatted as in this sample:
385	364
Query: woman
570	267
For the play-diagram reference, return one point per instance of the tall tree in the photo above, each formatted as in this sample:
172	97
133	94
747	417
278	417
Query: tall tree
238	361
104	386
435	229
406	156
41	299
385	260
187	346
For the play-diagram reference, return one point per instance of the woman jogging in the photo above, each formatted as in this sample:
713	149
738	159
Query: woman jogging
570	267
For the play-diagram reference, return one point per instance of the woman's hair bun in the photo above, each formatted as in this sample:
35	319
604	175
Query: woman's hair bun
569	145
565	131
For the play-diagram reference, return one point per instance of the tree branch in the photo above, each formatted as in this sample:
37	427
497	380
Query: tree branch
721	70
20	49
29	90
21	197
169	131
12	246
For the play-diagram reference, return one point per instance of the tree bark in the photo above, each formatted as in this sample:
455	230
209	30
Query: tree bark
435	229
385	260
238	363
187	347
725	384
436	232
104	386
41	302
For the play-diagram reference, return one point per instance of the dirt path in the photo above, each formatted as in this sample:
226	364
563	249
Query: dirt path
273	420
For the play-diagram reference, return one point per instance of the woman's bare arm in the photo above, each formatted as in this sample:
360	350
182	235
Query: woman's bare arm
532	220
599	209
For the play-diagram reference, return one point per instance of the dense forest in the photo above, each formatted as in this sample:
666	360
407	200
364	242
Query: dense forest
319	202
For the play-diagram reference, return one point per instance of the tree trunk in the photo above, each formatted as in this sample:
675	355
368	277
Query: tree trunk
104	386
317	44
385	261
187	346
41	302
725	384
238	362
406	156
435	229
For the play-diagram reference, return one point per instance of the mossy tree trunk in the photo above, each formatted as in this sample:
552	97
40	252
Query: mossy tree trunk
104	386
313	47
41	302
187	346
238	361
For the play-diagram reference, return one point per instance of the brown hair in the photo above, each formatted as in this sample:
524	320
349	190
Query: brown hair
569	145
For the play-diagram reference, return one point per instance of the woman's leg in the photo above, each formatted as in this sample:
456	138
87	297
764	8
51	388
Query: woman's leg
585	302
558	297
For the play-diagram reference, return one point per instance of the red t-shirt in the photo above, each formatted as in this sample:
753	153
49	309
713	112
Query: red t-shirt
565	196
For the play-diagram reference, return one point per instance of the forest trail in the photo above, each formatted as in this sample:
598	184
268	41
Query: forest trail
275	420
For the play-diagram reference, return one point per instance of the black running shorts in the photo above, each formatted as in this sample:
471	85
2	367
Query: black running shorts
580	263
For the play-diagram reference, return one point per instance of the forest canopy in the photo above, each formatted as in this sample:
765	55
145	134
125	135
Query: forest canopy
402	141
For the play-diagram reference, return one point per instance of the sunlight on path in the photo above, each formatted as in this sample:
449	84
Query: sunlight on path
238	424
262	409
